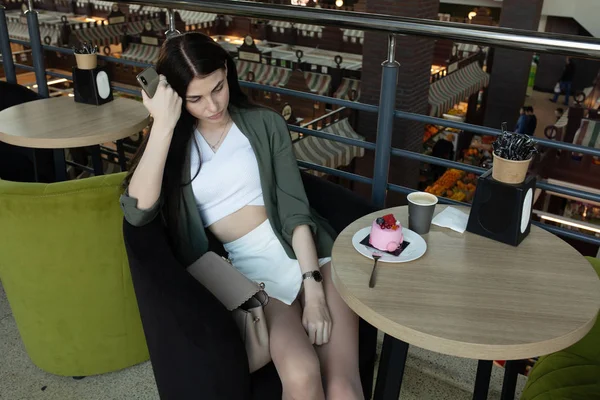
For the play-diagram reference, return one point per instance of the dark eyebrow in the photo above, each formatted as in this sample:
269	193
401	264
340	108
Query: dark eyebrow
219	84
215	88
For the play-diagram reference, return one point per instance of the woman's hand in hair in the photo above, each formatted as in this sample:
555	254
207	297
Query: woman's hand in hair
165	106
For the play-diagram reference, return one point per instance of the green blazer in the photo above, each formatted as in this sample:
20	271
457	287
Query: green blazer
283	192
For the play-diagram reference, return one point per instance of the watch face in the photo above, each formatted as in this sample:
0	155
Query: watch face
317	276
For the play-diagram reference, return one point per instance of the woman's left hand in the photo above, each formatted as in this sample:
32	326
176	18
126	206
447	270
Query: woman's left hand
316	320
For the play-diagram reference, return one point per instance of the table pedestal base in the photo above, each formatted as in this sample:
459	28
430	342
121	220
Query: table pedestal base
391	368
482	380
393	361
509	384
97	160
60	165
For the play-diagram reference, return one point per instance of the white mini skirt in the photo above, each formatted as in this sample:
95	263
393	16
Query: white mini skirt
260	256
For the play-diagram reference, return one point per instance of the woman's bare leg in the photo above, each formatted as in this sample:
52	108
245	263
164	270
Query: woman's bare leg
293	355
339	357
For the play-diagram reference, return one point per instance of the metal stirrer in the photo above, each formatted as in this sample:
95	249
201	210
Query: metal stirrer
514	146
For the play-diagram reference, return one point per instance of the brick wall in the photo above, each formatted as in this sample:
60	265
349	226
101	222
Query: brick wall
510	70
332	39
414	55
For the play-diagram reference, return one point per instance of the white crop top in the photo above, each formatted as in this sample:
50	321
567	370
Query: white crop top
228	179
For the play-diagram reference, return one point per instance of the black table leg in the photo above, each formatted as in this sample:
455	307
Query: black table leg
509	384
97	160
482	380
121	153
391	369
367	354
36	175
60	165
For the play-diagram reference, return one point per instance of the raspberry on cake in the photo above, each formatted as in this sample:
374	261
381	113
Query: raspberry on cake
386	233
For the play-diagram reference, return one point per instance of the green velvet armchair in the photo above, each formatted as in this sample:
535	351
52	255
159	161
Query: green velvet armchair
64	268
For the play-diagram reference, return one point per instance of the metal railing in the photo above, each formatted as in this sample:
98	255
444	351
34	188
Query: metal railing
481	35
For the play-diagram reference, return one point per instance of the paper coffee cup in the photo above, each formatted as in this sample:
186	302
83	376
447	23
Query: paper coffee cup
421	206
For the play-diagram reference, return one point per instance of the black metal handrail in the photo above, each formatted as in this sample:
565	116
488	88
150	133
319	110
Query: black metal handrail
476	34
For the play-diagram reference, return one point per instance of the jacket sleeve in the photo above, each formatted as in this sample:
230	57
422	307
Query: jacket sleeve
292	203
133	214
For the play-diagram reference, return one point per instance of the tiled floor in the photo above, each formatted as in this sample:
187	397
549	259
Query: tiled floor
428	375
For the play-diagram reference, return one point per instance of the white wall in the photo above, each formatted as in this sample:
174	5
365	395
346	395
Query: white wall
586	12
560	8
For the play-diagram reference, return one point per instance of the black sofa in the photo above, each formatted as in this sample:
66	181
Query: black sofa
182	327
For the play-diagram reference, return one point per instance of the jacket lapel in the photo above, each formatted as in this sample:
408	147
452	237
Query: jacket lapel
262	150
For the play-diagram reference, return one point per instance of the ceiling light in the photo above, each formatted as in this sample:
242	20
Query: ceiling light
339	3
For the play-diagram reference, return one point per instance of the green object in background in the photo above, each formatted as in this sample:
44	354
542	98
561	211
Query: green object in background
573	373
532	73
64	268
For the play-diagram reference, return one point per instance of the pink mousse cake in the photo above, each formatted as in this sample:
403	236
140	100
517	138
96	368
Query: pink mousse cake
386	233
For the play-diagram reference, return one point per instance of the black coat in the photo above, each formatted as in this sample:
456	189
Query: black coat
531	124
568	72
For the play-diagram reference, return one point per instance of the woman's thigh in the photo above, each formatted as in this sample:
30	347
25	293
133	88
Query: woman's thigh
291	350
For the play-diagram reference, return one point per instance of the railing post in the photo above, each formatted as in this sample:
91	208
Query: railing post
385	124
171	21
37	52
7	61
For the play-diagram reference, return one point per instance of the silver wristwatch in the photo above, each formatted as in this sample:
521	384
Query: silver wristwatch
316	275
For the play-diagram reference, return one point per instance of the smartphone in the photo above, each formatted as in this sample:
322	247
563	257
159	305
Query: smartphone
148	80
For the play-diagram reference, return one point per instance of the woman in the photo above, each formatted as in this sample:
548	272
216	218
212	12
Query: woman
214	161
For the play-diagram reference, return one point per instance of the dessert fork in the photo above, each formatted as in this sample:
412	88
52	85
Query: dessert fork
376	256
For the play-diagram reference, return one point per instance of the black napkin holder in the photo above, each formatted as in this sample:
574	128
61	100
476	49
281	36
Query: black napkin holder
92	86
502	211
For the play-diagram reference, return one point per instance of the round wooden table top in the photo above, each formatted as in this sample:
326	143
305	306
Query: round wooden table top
60	122
473	297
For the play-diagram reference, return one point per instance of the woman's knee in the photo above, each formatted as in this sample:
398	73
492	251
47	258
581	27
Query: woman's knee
301	373
343	389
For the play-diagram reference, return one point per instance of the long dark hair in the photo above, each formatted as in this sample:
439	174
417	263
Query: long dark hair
183	58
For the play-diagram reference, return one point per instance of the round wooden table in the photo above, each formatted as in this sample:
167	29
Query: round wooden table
470	296
60	122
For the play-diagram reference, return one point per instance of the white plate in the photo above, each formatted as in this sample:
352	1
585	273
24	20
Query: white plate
415	249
